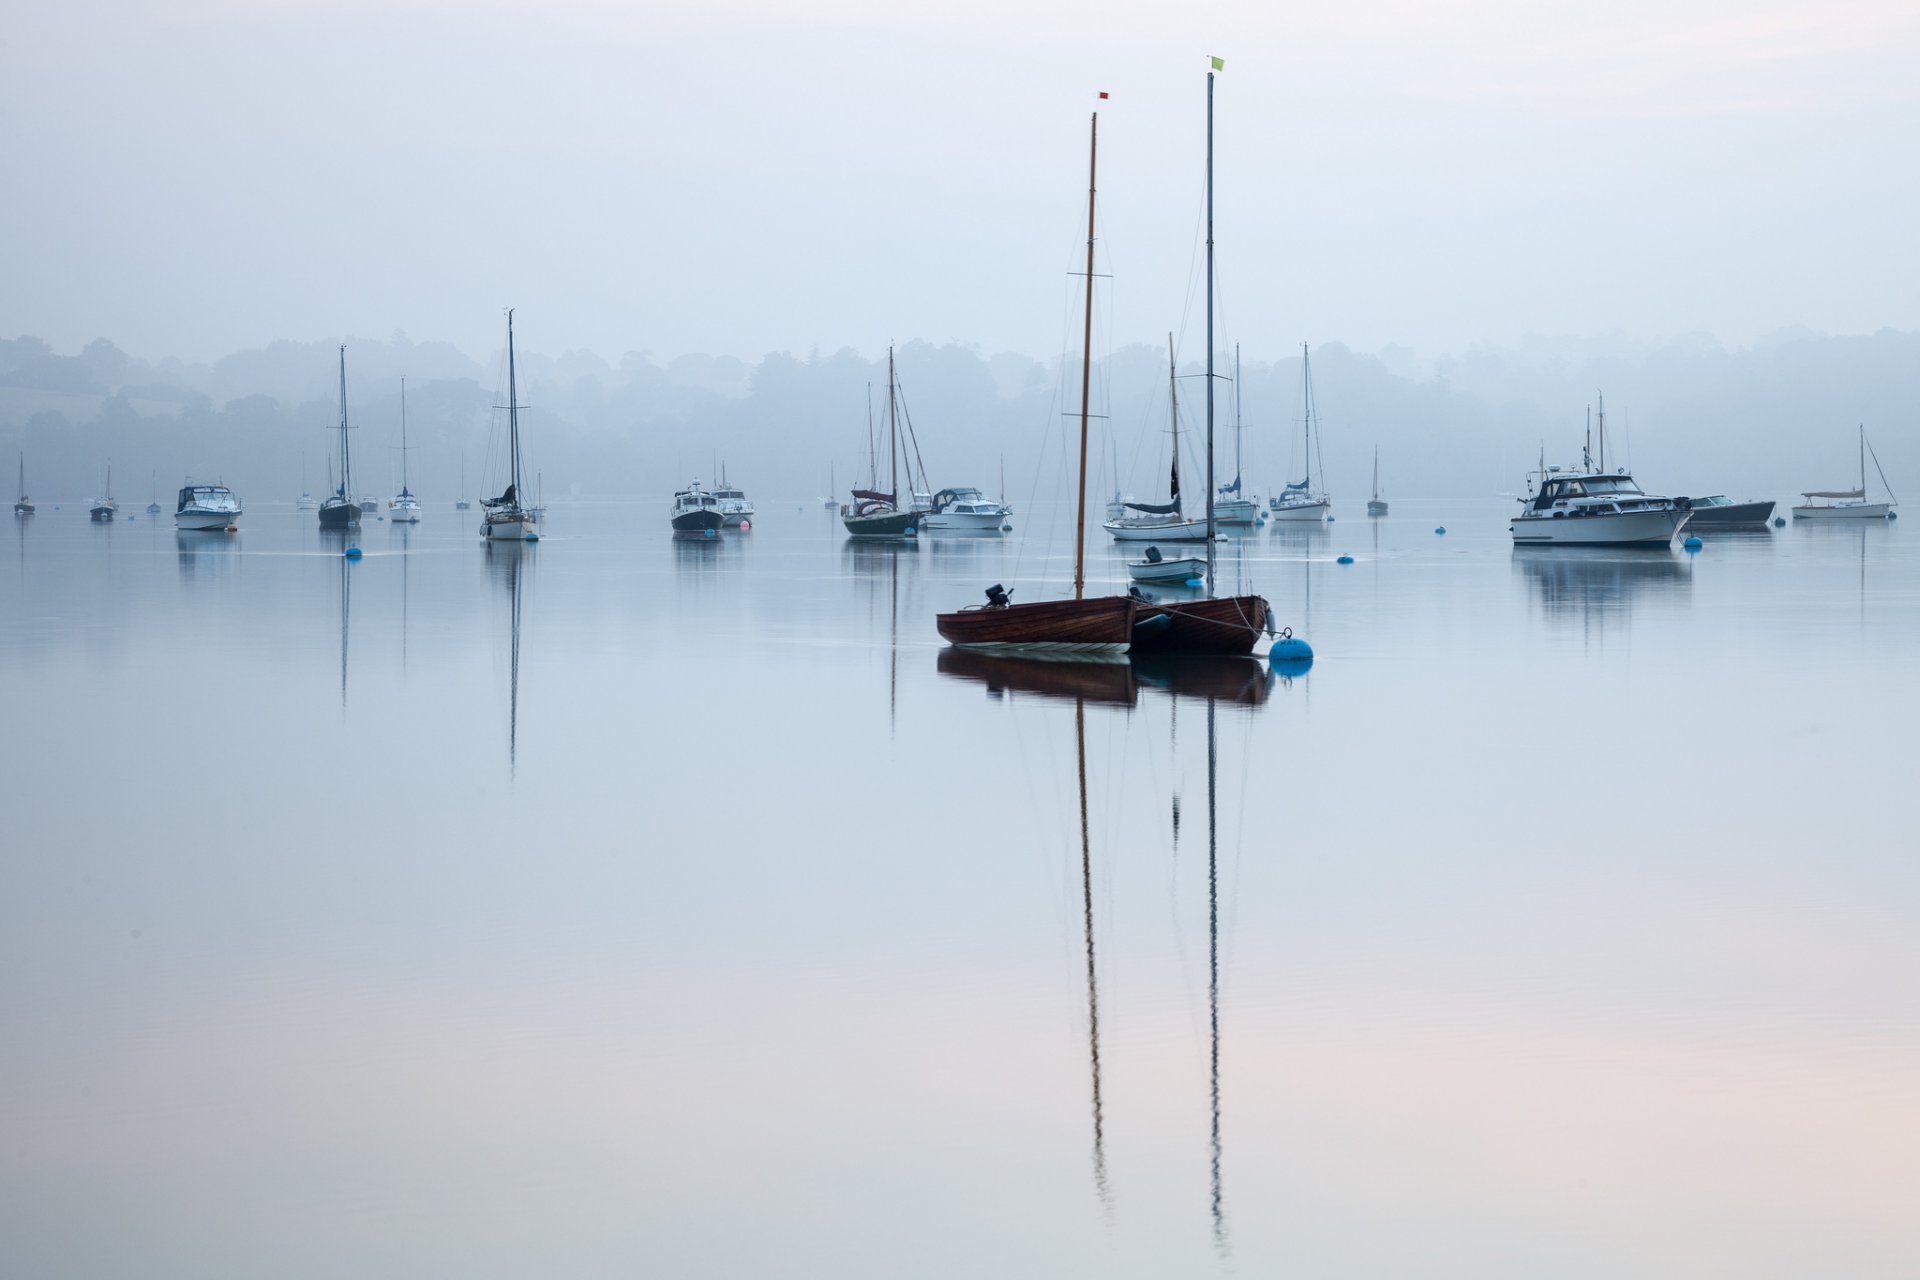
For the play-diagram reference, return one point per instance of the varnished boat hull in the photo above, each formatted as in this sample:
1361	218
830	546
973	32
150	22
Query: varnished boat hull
1229	624
1104	624
1087	677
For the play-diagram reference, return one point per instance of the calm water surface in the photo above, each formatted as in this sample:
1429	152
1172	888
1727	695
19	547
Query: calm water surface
621	906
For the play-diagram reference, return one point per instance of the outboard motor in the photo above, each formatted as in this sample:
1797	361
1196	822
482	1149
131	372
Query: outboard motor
997	596
1153	555
1684	504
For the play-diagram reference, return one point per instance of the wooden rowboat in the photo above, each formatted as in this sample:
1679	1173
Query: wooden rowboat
1104	623
1229	624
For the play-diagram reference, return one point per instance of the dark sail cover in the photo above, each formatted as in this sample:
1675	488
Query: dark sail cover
1298	488
869	495
1231	488
1151	509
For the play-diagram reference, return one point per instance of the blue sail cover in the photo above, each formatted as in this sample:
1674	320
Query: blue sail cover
1299	488
1163	509
1231	488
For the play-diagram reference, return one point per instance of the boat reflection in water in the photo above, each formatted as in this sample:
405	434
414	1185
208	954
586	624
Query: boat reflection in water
509	564
1118	682
1598	582
1114	680
204	556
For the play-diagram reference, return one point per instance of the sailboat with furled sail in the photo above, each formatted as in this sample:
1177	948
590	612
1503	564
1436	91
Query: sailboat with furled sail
1161	521
507	517
339	511
1216	624
873	514
1301	501
1079	625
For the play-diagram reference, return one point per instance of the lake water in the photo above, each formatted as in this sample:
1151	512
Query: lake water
625	906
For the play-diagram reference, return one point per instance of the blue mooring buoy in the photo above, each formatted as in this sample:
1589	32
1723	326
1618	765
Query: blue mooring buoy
707	533
1345	560
1893	515
1329	519
352	553
1779	522
1441	529
1693	543
1290	655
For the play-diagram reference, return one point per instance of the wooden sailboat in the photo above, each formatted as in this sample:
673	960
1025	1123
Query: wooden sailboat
507	518
1228	624
1079	625
339	511
873	514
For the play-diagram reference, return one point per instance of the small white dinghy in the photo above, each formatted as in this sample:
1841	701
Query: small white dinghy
1157	568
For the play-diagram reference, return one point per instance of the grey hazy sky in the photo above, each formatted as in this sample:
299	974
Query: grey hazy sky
742	176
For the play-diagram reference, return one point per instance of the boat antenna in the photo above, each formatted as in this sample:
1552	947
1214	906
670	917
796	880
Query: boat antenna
1209	333
1086	375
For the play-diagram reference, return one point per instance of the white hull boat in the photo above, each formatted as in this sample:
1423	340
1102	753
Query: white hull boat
206	506
1157	531
966	511
1236	511
510	527
1310	511
1652	528
1848	504
1595	506
1180	569
1843	511
405	510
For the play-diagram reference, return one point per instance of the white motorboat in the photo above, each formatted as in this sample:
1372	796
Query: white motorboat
506	520
1158	568
405	508
736	509
1301	502
964	510
1849	504
1595	506
206	506
1129	521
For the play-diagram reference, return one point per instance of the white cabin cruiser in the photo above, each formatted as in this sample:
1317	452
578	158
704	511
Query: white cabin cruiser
964	510
1593	508
206	506
736	509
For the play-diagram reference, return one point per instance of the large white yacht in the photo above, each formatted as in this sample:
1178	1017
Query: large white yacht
1586	508
206	506
1595	506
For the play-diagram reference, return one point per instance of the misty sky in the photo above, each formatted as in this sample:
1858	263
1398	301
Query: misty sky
742	176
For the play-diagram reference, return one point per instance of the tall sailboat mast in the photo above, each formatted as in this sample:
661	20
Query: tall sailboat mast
1210	495
346	454
403	433
893	435
513	411
1086	373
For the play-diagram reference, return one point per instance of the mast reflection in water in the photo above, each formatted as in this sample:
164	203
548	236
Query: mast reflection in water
507	563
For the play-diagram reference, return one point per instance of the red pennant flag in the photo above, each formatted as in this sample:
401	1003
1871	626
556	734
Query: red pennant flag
1103	93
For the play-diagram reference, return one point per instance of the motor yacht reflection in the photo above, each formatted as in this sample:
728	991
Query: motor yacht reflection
1599	580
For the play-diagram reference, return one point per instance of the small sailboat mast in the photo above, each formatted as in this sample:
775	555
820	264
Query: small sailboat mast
513	412
403	434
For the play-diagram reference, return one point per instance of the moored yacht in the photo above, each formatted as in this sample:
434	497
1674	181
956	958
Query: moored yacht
105	509
339	511
1848	504
206	506
405	508
22	505
1300	501
695	509
506	519
965	510
1722	512
1159	521
1595	506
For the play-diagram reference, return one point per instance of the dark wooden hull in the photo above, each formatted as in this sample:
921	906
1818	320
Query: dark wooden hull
1103	623
1229	624
883	524
1078	678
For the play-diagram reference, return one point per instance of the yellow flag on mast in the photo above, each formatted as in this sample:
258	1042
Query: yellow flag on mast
1219	64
